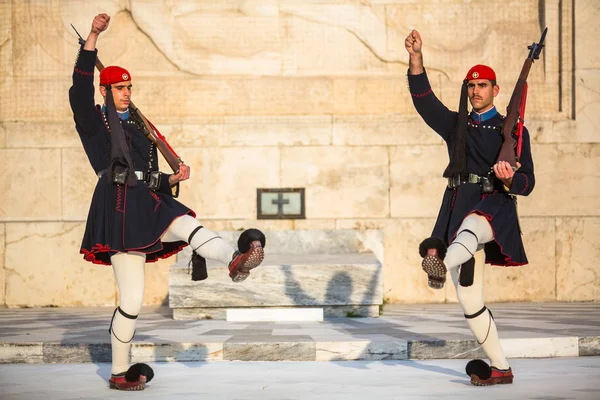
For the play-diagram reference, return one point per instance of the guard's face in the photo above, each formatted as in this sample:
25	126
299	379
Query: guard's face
481	94
121	92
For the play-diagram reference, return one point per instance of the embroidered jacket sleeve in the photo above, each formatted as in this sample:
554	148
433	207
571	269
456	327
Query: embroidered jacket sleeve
88	120
166	188
430	108
81	94
524	179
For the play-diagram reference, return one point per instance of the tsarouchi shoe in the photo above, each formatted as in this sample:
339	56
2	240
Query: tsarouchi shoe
433	251
249	255
483	375
135	378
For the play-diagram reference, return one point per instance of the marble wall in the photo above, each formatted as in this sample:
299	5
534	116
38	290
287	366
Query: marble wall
301	93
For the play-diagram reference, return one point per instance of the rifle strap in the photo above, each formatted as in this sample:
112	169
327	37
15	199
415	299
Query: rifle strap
162	139
521	120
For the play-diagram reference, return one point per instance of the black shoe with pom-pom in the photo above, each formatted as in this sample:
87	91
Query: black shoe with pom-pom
249	255
135	378
483	375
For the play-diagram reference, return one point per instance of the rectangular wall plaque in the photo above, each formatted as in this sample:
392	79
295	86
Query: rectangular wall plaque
286	203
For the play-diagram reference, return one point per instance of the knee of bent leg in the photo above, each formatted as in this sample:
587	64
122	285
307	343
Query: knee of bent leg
471	222
480	226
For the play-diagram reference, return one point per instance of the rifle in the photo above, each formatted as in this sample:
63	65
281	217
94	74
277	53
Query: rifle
146	126
515	112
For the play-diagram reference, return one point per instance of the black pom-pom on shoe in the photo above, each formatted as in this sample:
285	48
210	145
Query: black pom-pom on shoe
134	372
433	243
249	236
480	368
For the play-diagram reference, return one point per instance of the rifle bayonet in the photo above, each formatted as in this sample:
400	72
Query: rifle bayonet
536	48
516	108
81	41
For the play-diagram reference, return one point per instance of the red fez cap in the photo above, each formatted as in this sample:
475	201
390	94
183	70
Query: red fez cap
113	74
480	71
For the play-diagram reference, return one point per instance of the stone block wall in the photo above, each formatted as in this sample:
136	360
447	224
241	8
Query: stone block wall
298	93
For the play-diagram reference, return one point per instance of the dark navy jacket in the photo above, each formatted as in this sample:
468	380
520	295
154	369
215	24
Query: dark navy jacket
484	141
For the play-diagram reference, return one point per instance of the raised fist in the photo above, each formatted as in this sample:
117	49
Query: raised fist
100	23
413	42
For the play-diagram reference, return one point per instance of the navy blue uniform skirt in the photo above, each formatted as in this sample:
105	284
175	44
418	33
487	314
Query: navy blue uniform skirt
498	208
125	219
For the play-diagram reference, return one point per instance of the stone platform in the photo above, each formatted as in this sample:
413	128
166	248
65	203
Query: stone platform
339	271
436	331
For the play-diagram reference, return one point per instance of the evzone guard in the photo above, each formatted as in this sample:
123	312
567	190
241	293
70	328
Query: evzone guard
490	164
133	217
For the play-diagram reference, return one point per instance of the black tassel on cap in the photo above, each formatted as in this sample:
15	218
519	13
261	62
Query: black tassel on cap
120	154
458	139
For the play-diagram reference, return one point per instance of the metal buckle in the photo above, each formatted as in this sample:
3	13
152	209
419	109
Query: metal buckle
140	175
454	182
474	178
154	180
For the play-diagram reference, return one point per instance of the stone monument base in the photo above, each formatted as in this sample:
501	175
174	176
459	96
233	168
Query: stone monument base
346	281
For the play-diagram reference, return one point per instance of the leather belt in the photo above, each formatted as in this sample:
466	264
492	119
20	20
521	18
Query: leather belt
140	175
457	180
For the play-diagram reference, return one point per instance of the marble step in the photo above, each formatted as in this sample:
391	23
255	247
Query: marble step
343	284
325	241
337	348
418	331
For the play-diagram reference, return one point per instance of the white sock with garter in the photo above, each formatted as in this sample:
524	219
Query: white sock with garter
478	317
474	230
205	242
129	274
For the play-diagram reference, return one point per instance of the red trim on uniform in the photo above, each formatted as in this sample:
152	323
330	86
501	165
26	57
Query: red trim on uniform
507	259
123	221
422	94
193	214
526	183
167	255
91	255
119	199
157	199
80	72
453	199
483	196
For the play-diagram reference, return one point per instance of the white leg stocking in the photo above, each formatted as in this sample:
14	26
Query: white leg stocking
478	317
474	230
129	274
205	242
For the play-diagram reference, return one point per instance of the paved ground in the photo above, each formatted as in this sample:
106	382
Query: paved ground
51	335
535	379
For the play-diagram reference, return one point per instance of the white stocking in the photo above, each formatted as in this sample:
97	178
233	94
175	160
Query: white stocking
474	230
483	325
129	274
205	242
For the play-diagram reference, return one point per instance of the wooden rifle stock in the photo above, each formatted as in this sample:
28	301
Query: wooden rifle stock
146	126
508	149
